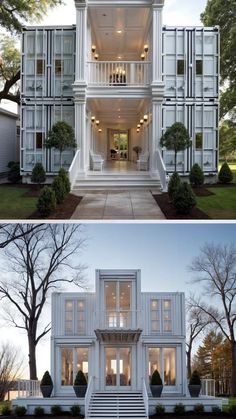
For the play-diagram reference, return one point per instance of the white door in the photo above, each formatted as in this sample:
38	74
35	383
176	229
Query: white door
118	368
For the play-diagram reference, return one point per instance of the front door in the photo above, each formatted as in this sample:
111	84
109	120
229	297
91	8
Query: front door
119	145
118	368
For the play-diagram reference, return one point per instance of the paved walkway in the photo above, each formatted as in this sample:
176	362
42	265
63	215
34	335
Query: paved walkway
118	205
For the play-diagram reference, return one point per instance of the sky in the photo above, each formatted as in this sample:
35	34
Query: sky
163	252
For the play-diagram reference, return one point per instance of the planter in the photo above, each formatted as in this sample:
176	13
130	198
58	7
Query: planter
194	390
156	390
46	390
80	391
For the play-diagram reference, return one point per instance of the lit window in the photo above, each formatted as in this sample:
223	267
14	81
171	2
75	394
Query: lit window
180	67
69	317
82	360
40	67
155	316
80	317
167	326
198	141
67	366
165	357
199	67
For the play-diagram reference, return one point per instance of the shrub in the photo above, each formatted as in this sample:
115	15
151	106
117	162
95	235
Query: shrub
59	189
56	410
198	408
6	410
225	174
14	172
173	184
184	199
195	379
179	409
64	176
46	380
46	202
156	379
75	410
38	174
80	379
160	409
216	409
38	410
196	175
20	411
232	409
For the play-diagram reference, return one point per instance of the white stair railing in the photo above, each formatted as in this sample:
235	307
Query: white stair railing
145	397
88	395
73	170
164	177
208	387
29	388
119	73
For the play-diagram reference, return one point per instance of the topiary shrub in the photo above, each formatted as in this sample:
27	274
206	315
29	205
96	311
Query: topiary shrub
196	176
6	410
225	174
184	199
198	408
216	410
75	410
39	411
195	379
14	172
38	174
59	189
46	202
156	379
160	409
20	411
173	184
80	379
46	379
179	409
56	410
64	176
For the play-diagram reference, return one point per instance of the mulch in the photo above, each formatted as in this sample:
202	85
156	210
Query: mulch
63	211
170	212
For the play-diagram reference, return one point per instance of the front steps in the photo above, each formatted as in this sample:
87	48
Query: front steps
117	405
119	180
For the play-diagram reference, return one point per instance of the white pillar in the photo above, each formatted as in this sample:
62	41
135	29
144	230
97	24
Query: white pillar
80	131
81	41
156	134
157	41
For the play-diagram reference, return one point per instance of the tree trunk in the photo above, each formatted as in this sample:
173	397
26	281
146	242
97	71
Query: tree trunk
189	369
233	372
175	161
32	357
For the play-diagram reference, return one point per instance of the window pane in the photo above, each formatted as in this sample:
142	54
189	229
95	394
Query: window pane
39	140
66	366
167	327
199	67
82	360
110	295
198	141
169	366
69	317
40	66
180	67
80	317
155	323
58	67
154	361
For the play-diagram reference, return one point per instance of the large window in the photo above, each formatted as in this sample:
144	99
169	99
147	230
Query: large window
82	360
155	316
118	303
74	317
167	316
69	317
164	361
80	317
161	316
73	360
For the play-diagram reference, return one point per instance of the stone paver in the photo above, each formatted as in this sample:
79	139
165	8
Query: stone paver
118	205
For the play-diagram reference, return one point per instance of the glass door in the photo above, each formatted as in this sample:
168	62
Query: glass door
119	145
118	304
117	368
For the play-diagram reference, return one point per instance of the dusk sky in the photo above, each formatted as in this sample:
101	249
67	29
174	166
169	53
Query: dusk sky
162	252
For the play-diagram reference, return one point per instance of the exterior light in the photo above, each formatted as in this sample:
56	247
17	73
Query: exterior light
145	117
93	118
138	126
97	122
93	48
96	56
138	129
141	121
142	56
145	48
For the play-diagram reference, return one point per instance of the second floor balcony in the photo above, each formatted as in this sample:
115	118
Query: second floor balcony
119	73
122	325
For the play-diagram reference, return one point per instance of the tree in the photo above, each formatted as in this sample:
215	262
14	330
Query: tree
227	139
61	137
176	138
222	13
215	267
36	264
10	368
10	69
11	232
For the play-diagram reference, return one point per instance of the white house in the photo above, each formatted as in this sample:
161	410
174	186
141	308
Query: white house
118	336
9	139
120	78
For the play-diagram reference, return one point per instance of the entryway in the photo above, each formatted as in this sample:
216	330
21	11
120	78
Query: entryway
118	148
118	368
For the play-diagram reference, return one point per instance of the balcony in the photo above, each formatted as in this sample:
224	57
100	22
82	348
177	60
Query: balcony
118	326
119	73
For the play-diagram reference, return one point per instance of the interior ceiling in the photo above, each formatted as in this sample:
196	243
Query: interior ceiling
133	22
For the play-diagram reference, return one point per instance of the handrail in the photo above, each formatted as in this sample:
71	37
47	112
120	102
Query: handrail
118	319
164	177
72	172
208	387
118	62
145	396
29	388
88	395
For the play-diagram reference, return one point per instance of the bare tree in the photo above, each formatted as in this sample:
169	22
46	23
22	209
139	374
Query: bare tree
216	269
37	263
11	232
10	368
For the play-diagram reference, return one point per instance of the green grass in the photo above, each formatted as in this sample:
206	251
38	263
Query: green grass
13	205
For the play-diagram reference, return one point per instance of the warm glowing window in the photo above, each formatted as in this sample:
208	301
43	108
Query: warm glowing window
155	316
69	317
80	317
164	361
82	360
167	326
169	366
154	361
66	366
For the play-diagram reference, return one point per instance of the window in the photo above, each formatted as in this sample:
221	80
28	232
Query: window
198	141
58	67
180	67
80	317
155	316
199	67
154	361
40	67
67	366
69	317
39	140
167	316
74	317
164	361
169	366
82	360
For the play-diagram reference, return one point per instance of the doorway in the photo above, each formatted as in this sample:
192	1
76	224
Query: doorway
118	368
119	145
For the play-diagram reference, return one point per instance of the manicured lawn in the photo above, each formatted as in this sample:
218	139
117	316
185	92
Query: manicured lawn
222	205
13	204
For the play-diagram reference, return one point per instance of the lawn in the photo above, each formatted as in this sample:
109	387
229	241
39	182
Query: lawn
13	204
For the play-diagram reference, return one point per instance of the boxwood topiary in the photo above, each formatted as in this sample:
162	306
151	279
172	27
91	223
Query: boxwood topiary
56	410
179	409
184	199
38	174
39	411
196	175
173	184
160	409
198	408
14	172
195	379
75	410
20	411
46	202
64	176
225	174
59	188
156	379
46	379
80	379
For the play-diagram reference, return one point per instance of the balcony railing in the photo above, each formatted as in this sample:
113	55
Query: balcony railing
29	388
122	319
119	73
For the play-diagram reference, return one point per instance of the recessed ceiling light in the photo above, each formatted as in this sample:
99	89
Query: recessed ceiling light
119	58
119	31
118	110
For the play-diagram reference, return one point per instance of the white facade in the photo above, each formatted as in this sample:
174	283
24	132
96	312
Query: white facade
94	72
118	335
9	144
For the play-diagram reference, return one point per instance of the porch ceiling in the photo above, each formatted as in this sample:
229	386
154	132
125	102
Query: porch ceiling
118	336
133	24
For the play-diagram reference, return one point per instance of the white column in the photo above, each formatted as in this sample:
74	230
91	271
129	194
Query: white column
156	134
81	41
80	131
157	41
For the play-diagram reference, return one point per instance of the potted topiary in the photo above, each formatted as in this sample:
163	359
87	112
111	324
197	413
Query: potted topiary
194	385
156	385
46	385
80	384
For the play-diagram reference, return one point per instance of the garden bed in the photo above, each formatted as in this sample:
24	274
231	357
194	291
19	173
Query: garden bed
170	212
63	211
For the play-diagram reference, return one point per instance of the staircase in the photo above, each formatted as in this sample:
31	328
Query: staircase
113	180
116	405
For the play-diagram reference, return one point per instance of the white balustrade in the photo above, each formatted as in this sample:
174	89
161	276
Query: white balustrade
73	170
29	388
164	177
118	73
208	387
88	395
121	319
145	397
